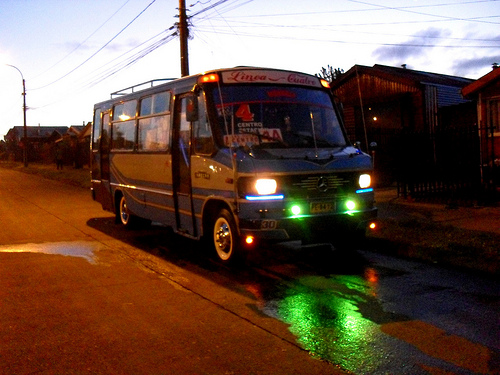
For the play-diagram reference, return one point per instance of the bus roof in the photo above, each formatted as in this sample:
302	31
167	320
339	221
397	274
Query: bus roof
236	75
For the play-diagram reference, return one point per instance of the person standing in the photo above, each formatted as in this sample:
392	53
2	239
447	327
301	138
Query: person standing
59	157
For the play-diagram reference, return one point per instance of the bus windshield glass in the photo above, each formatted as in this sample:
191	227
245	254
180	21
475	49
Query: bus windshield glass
276	117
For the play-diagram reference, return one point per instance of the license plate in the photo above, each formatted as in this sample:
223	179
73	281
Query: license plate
322	207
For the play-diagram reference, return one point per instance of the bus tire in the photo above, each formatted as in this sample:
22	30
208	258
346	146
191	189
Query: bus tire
124	215
225	238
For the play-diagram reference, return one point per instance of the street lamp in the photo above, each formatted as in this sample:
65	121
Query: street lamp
25	151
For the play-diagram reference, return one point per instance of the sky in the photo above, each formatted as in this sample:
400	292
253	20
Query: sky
74	53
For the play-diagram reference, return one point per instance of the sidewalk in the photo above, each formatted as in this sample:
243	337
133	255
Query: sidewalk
466	237
480	218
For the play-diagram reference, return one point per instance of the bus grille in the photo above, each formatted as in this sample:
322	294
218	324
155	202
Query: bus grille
318	186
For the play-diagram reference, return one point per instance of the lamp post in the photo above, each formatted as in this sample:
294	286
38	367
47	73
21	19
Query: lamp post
25	151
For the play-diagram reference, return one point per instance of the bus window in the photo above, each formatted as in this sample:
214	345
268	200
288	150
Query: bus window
154	133
157	103
146	104
161	102
202	133
154	123
123	134
125	111
275	117
96	131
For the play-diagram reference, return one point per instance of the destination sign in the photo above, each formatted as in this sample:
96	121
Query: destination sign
269	76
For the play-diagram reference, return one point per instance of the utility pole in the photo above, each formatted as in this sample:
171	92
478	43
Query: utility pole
183	35
25	143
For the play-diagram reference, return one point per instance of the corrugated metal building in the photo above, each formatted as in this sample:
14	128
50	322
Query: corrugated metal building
380	102
394	98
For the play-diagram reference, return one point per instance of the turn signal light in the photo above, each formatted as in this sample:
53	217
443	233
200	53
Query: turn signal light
209	78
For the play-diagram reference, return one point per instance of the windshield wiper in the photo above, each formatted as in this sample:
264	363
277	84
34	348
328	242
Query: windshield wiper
309	140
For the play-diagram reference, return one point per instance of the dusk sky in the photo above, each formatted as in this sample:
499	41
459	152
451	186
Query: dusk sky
74	53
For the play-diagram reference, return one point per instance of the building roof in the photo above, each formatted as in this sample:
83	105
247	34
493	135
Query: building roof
405	76
86	132
481	83
38	131
382	81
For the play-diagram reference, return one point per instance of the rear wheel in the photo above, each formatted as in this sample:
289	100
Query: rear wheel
124	215
225	238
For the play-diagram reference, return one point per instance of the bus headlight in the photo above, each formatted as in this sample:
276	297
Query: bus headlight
266	186
364	181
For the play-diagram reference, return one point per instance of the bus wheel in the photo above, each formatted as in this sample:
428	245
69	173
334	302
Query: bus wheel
226	240
126	218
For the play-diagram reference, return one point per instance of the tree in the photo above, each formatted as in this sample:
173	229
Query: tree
330	74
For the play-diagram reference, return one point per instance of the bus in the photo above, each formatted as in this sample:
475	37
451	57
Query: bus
232	157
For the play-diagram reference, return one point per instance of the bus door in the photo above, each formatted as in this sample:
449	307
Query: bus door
104	192
181	165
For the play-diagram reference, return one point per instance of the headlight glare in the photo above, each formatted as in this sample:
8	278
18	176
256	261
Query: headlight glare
266	186
364	181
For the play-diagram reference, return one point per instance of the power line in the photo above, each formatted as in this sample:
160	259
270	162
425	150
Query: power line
327	28
287	37
120	65
130	60
365	9
83	42
407	10
99	50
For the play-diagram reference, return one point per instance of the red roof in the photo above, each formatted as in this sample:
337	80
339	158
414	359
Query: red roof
481	82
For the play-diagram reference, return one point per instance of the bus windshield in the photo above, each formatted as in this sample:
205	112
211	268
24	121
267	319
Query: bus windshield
276	117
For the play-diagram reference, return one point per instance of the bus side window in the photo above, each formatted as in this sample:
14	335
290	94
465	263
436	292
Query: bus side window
154	133
154	123
202	133
123	134
96	131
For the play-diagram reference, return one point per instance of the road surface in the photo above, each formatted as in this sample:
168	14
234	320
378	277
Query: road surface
80	294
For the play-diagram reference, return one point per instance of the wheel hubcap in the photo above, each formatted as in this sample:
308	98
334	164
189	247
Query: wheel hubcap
222	238
123	211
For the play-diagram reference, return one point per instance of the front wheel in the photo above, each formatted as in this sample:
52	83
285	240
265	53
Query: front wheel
225	238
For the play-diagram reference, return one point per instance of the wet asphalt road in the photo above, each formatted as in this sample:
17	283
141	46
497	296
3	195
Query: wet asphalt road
365	312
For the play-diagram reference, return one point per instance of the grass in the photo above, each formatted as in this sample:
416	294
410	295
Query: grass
69	175
438	243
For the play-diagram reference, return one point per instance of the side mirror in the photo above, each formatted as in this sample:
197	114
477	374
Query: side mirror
192	108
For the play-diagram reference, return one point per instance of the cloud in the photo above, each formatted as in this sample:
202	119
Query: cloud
475	65
417	46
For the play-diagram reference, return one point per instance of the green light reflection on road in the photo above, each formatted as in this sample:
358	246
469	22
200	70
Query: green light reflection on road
324	315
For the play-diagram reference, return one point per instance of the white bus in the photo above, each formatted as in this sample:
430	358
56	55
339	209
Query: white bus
233	157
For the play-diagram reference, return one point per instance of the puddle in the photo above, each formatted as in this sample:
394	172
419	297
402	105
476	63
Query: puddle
78	249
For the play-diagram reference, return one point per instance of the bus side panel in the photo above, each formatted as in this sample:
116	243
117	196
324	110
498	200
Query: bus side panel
210	180
147	181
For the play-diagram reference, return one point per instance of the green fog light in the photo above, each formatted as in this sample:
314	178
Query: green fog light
350	205
296	210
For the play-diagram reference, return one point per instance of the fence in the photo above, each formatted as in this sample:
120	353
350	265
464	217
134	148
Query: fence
444	166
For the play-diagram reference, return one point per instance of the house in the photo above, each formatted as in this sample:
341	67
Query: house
38	139
76	143
405	112
486	92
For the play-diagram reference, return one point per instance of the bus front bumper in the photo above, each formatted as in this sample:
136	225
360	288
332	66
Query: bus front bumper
308	228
